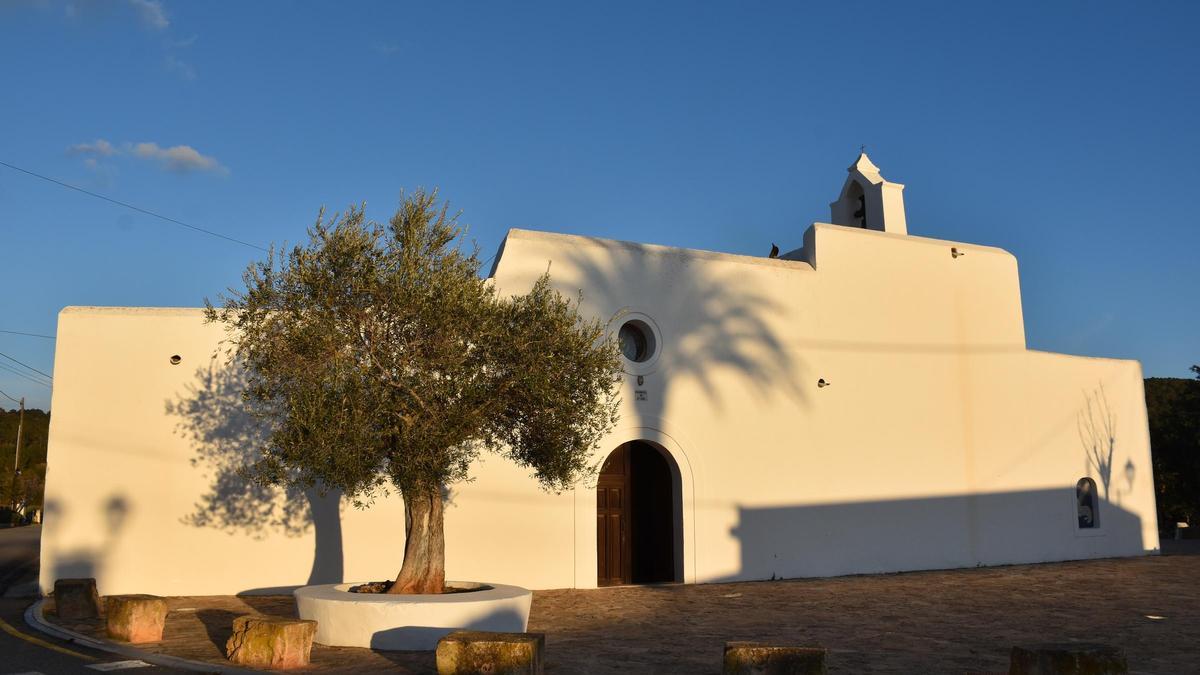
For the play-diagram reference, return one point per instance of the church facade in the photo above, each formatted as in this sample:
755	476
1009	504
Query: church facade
862	403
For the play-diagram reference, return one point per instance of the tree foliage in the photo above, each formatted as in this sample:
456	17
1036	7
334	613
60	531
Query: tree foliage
30	482
379	358
1173	408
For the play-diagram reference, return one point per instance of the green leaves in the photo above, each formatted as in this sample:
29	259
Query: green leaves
1173	409
379	355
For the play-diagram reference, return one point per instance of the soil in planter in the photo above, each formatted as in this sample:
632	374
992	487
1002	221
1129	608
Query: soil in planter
385	586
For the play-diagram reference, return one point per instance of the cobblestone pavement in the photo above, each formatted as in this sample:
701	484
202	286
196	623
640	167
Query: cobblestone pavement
955	621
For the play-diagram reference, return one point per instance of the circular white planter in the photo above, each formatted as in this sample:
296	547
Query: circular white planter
382	621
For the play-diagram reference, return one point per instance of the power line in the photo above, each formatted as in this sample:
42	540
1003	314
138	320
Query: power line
51	378
131	206
9	397
5	366
24	376
17	332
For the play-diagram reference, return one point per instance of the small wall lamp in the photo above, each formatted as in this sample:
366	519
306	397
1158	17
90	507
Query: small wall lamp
822	383
956	253
175	359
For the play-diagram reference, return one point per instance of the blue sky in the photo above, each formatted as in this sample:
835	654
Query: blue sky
1063	132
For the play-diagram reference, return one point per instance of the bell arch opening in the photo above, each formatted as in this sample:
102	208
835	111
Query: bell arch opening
639	514
857	199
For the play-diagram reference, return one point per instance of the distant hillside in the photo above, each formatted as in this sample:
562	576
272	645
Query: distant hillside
1173	406
33	456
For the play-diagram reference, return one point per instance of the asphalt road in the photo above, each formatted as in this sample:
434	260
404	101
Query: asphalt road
24	650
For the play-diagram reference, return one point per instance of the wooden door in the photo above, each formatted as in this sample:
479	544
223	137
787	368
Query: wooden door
612	520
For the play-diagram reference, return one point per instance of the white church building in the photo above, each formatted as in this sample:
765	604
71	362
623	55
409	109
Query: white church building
862	403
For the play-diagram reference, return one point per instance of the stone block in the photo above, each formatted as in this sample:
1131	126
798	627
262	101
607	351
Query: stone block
1067	659
271	642
135	618
465	652
743	658
76	599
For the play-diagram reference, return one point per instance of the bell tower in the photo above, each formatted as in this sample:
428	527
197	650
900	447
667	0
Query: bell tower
868	201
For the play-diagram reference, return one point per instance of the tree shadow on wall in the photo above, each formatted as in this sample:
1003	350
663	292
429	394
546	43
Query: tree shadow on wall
1097	426
211	414
88	562
714	325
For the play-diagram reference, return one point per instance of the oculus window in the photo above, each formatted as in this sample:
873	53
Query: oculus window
637	341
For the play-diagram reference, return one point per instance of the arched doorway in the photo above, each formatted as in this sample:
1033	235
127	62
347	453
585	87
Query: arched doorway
638	514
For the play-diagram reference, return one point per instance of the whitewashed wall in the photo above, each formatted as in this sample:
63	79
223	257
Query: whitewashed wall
940	442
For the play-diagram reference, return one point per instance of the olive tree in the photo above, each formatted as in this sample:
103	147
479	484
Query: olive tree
380	359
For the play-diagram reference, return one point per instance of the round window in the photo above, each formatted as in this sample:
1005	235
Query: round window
637	341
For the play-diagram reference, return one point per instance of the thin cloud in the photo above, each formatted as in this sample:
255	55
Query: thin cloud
180	68
385	48
103	173
176	158
151	13
97	148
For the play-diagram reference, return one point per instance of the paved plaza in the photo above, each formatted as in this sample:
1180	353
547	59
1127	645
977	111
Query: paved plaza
954	621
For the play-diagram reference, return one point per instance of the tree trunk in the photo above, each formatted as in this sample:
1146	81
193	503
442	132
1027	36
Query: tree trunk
424	569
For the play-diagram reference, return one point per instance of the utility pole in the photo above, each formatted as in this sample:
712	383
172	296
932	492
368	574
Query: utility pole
17	454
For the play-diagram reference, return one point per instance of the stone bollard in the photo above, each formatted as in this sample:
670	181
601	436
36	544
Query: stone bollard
1071	658
76	599
465	652
135	618
271	642
743	658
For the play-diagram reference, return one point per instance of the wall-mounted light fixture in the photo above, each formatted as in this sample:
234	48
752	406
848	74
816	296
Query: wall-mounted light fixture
822	383
955	253
175	359
641	380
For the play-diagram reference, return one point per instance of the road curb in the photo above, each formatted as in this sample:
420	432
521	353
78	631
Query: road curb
35	620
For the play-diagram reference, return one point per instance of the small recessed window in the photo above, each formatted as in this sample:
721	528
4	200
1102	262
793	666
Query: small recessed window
637	341
1087	503
175	359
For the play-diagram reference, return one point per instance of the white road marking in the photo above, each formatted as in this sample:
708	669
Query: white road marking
118	665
